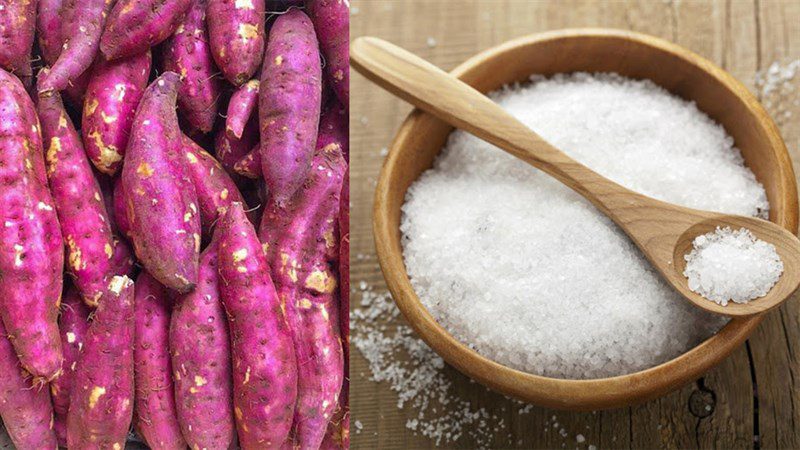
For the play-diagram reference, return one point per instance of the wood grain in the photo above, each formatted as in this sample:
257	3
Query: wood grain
740	36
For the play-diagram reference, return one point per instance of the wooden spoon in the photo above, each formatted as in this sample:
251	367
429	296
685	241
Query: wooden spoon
663	231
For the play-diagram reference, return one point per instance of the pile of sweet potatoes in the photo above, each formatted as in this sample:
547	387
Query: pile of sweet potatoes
177	171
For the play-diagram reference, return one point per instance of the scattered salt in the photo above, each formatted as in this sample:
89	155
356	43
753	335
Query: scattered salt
727	265
431	42
777	89
486	236
580	439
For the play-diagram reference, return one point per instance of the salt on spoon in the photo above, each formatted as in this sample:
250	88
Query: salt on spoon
663	232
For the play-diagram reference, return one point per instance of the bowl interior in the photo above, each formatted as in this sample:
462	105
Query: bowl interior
633	55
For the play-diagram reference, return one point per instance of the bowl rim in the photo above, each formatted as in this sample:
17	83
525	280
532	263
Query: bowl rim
574	394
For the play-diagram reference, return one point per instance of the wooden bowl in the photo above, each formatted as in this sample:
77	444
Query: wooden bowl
634	55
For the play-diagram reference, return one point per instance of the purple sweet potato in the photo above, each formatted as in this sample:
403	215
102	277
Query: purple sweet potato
73	325
122	261
230	150
264	364
32	254
215	188
188	53
101	401
236	29
240	108
48	27
289	104
24	407
250	164
302	248
161	200
121	209
82	214
81	39
17	29
114	91
201	361
136	25
332	22
155	417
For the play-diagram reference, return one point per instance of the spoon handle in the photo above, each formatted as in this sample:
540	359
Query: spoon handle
424	85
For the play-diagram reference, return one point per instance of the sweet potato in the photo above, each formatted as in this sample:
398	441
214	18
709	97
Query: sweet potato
24	407
17	29
32	254
136	25
302	249
155	417
250	164
112	95
240	108
236	30
81	39
81	211
188	53
101	401
161	200
121	209
215	188
73	325
332	22
264	364
341	427
230	150
201	361
48	27
289	103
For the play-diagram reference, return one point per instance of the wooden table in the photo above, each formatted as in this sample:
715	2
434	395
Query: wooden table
752	400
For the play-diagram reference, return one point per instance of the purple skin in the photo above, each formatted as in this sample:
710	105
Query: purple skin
264	364
188	53
201	358
32	254
112	95
215	188
48	26
162	205
302	248
24	407
332	21
73	325
79	203
101	401
289	104
17	29
240	108
250	164
81	40
121	209
122	261
155	416
236	29
229	150
136	25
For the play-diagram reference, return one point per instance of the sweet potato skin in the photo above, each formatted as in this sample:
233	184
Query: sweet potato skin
112	95
201	361
236	31
215	188
32	254
188	53
17	29
230	150
101	401
332	22
161	200
121	209
82	214
289	103
48	27
133	26
240	108
302	248
250	164
81	39
264	364
155	417
73	326
25	408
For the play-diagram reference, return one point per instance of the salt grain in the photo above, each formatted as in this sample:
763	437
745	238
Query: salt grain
490	240
726	265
